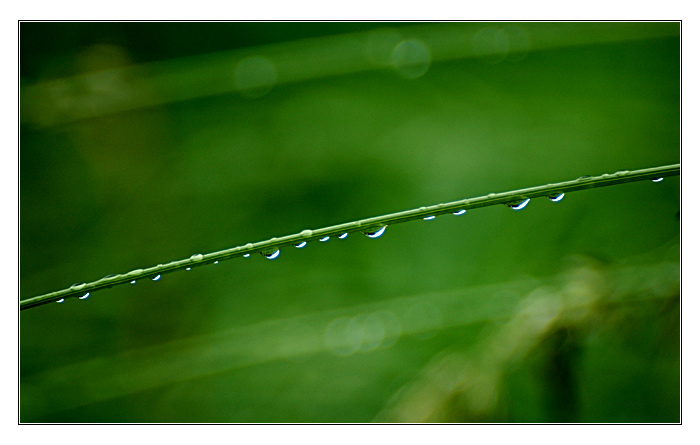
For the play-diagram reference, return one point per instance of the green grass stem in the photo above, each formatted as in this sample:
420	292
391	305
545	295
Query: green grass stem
364	225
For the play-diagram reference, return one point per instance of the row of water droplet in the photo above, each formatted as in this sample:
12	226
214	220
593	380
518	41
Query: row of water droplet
375	233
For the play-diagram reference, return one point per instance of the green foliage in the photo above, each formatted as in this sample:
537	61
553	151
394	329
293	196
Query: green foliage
145	142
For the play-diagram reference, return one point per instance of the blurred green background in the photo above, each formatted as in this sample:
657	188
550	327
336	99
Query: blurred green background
143	143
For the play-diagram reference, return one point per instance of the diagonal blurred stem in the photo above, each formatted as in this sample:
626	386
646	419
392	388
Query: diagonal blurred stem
95	94
364	225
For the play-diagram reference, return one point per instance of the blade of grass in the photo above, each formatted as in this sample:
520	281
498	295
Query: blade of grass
364	225
102	377
164	82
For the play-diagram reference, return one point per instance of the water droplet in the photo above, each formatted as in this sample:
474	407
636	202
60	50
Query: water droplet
519	205
106	277
556	198
460	212
343	235
61	300
246	255
657	179
197	257
428	218
324	239
87	294
216	262
133	281
585	177
188	268
376	233
156	278
78	286
271	256
300	245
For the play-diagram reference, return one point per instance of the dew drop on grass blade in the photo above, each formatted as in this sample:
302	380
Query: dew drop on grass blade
376	233
520	205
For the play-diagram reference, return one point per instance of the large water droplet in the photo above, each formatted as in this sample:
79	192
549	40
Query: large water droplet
376	233
300	245
657	179
324	239
428	218
156	278
133	281
188	268
216	262
556	198
343	235
273	255
246	255
197	257
460	212
78	286
84	296
60	300
519	205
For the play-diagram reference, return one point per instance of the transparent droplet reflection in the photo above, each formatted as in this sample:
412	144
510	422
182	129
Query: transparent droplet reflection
85	296
428	218
197	257
324	239
519	205
273	255
657	179
156	278
300	245
61	300
133	281
556	198
343	236
460	212
376	233
246	255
